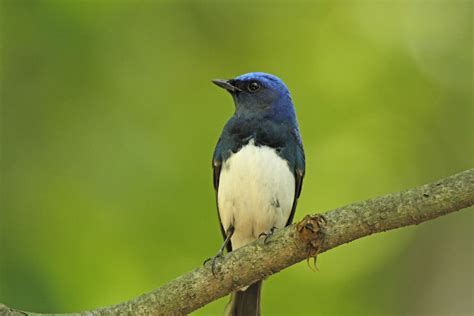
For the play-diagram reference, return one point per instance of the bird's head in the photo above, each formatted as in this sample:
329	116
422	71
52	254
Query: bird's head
259	94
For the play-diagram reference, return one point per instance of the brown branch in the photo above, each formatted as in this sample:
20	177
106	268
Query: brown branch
313	235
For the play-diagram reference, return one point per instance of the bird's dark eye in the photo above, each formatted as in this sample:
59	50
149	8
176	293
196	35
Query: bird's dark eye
254	86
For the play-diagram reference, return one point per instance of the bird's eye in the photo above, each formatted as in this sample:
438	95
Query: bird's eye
254	86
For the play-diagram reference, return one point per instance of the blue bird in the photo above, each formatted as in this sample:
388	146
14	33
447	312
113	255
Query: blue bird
259	165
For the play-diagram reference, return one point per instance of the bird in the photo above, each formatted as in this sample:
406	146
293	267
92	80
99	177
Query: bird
258	170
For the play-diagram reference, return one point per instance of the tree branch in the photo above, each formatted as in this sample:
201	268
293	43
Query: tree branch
314	234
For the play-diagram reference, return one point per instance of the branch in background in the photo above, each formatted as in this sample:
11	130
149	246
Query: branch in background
314	234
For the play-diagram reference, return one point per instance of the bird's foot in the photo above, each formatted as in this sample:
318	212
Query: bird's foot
228	234
214	261
266	235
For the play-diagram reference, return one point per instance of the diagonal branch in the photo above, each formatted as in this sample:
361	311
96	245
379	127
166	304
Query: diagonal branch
313	235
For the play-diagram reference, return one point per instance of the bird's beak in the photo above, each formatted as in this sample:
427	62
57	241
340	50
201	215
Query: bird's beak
226	84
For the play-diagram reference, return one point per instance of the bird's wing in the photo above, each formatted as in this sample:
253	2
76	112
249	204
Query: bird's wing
216	167
298	171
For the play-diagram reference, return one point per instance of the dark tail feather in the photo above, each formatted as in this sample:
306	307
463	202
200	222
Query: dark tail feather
245	303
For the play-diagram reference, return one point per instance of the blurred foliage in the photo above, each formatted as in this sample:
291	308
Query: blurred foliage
109	121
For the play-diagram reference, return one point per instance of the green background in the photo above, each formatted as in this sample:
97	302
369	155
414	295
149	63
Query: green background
109	120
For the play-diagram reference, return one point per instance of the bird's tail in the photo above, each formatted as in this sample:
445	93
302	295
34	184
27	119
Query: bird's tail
245	303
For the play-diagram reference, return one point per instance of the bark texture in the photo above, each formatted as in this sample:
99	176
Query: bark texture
312	235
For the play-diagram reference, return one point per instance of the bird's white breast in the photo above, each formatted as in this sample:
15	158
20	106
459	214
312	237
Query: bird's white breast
256	192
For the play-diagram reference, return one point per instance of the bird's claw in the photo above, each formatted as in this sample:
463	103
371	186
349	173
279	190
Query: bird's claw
228	234
213	262
267	235
213	266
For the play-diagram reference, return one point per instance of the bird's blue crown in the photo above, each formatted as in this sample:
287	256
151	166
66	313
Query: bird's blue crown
263	95
268	80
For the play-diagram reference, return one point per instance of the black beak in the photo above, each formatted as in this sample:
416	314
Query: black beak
226	84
